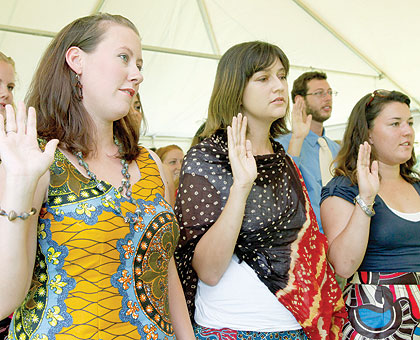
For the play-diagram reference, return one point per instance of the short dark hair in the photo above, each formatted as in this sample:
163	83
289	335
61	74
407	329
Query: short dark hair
300	85
361	120
235	68
60	114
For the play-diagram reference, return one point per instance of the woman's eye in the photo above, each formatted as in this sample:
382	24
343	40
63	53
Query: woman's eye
140	67
124	57
11	88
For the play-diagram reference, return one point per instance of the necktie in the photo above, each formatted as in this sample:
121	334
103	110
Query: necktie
325	160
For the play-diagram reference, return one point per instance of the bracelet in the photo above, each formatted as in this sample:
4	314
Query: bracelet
12	215
367	209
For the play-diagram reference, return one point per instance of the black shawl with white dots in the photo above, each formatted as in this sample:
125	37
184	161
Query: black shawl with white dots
279	237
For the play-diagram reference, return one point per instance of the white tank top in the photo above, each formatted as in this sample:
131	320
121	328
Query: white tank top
240	301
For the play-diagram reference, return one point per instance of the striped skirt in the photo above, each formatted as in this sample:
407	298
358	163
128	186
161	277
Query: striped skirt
383	306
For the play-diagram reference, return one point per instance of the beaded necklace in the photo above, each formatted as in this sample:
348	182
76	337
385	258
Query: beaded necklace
125	183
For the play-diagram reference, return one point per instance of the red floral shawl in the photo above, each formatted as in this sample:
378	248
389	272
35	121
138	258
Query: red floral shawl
279	237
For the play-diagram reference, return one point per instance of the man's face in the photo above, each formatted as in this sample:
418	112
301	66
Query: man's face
318	102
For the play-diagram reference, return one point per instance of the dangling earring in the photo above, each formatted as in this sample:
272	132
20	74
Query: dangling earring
78	88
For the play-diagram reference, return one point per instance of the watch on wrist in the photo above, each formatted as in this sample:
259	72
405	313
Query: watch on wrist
367	209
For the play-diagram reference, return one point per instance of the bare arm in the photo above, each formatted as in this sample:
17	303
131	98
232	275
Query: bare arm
215	249
23	183
300	127
177	305
346	225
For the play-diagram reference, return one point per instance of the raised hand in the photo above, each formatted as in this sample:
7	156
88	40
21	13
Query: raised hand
367	175
242	161
301	123
19	150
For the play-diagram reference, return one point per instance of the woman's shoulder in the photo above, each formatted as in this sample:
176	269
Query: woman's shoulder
340	186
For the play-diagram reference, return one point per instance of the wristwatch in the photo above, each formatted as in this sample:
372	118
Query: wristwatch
368	209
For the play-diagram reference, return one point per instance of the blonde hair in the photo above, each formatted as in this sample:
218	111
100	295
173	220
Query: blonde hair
7	60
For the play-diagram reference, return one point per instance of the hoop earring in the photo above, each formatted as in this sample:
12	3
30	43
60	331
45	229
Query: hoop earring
78	88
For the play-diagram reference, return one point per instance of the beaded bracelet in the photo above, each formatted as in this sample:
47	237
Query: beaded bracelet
12	215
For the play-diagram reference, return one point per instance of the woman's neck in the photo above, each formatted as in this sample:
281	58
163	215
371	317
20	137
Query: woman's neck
389	172
261	144
103	141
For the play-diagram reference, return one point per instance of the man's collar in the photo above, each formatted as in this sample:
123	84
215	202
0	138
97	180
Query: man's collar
312	137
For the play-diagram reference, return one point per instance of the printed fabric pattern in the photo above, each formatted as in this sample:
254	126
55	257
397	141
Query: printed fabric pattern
279	237
96	276
383	306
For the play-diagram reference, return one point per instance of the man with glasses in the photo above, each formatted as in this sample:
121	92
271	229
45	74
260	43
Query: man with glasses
312	151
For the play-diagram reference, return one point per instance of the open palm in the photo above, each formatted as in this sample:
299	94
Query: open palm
19	150
242	161
367	174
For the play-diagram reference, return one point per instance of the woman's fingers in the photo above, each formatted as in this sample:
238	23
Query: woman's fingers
10	119
21	118
2	126
243	131
375	168
31	123
233	130
50	150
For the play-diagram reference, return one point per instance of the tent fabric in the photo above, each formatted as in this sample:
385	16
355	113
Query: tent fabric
361	45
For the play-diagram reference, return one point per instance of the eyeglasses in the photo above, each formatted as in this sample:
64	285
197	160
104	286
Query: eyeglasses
378	93
322	93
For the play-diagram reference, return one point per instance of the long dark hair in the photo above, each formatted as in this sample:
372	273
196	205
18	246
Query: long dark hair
60	114
361	120
235	69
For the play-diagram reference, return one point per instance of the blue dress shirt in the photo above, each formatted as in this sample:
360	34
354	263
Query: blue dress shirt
308	164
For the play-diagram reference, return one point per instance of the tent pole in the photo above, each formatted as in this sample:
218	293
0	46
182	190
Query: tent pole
351	47
151	48
98	6
209	27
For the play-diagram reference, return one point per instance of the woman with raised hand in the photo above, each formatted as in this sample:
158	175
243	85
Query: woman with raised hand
86	236
251	258
370	212
7	84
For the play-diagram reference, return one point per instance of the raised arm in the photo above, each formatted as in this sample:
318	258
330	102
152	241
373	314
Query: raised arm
301	125
215	249
346	225
23	184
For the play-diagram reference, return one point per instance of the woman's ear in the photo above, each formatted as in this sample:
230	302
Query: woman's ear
74	59
370	140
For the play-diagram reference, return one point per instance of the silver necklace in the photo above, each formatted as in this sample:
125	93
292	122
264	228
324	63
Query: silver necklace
125	184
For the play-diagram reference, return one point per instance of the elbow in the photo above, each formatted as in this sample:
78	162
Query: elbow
209	279
342	270
344	274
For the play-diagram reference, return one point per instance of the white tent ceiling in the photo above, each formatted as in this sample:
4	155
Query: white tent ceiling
361	45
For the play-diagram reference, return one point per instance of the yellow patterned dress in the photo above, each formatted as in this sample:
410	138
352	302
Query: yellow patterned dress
97	277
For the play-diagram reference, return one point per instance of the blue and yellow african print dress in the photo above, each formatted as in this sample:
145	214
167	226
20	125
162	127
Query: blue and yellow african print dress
95	276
